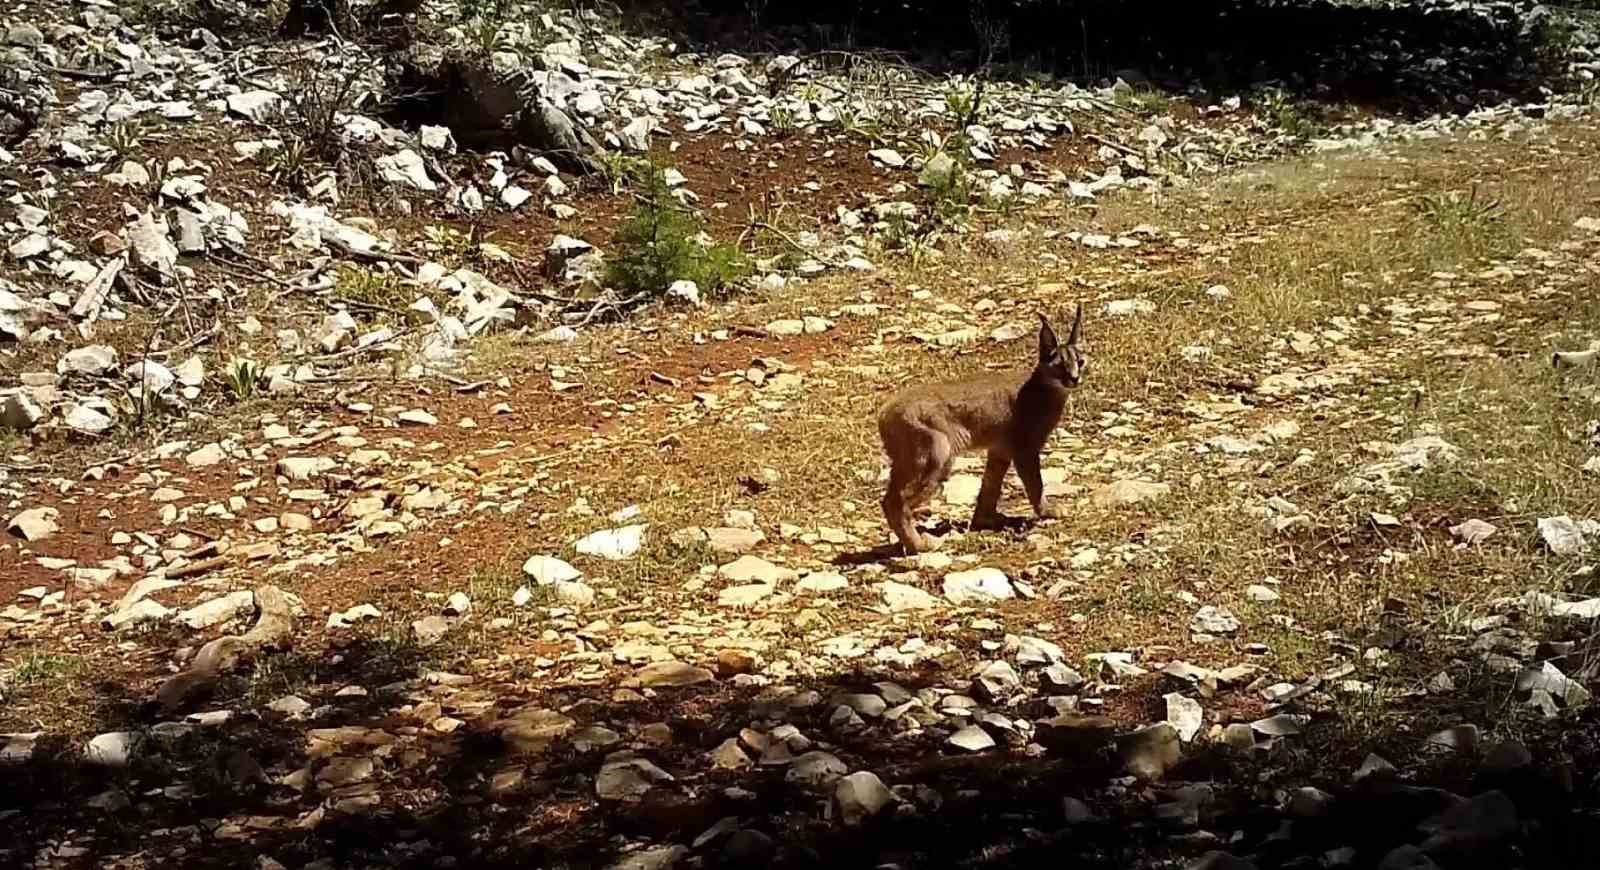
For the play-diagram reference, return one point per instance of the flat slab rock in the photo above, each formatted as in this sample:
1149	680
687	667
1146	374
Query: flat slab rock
978	586
754	569
1129	492
673	674
34	524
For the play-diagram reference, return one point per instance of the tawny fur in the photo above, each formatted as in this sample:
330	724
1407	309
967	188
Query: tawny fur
924	428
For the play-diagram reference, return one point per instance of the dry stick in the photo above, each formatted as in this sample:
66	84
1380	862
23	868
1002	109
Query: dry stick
201	567
183	299
232	270
366	306
358	349
372	256
1111	143
763	225
617	305
296	285
195	340
248	77
144	363
87	75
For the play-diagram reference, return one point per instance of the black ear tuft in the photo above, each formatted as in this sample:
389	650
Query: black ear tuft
1077	328
1049	346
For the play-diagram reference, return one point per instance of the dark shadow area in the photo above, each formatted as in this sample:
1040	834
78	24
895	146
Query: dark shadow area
507	790
1407	57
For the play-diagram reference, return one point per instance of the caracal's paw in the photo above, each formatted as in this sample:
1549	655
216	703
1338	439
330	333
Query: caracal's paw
988	522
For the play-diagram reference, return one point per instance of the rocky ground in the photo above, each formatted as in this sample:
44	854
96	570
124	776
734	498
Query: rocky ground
351	521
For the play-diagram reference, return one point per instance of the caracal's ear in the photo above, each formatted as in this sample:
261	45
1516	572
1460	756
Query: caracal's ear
1077	328
1048	345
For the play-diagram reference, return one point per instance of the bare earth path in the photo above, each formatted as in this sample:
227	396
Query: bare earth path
1311	476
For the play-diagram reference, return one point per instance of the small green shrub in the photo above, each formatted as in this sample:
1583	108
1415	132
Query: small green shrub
371	287
241	377
1282	111
782	121
659	244
1451	212
624	171
124	139
291	163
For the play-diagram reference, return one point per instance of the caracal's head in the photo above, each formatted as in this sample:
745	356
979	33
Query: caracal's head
1065	364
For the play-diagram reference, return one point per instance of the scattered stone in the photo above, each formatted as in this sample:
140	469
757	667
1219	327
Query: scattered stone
726	541
860	796
1149	752
1473	531
1129	492
417	417
1551	691
615	545
672	674
745	595
1461	738
207	456
1262	594
1214	620
257	105
549	570
887	157
1562	536
1060	678
1374	767
302	468
575	594
92	360
1309	803
901	598
728	756
429	630
753	569
137	613
656	858
815	768
218	610
996	681
1038	651
34	524
979	586
626	776
1481	822
820	582
531	730
406	169
1184	714
113	749
971	739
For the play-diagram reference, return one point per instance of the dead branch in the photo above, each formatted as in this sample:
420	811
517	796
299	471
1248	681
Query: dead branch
372	256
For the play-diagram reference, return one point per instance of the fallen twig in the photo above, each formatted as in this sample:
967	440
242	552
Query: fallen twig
358	349
204	566
763	225
372	256
87	75
1112	143
195	340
